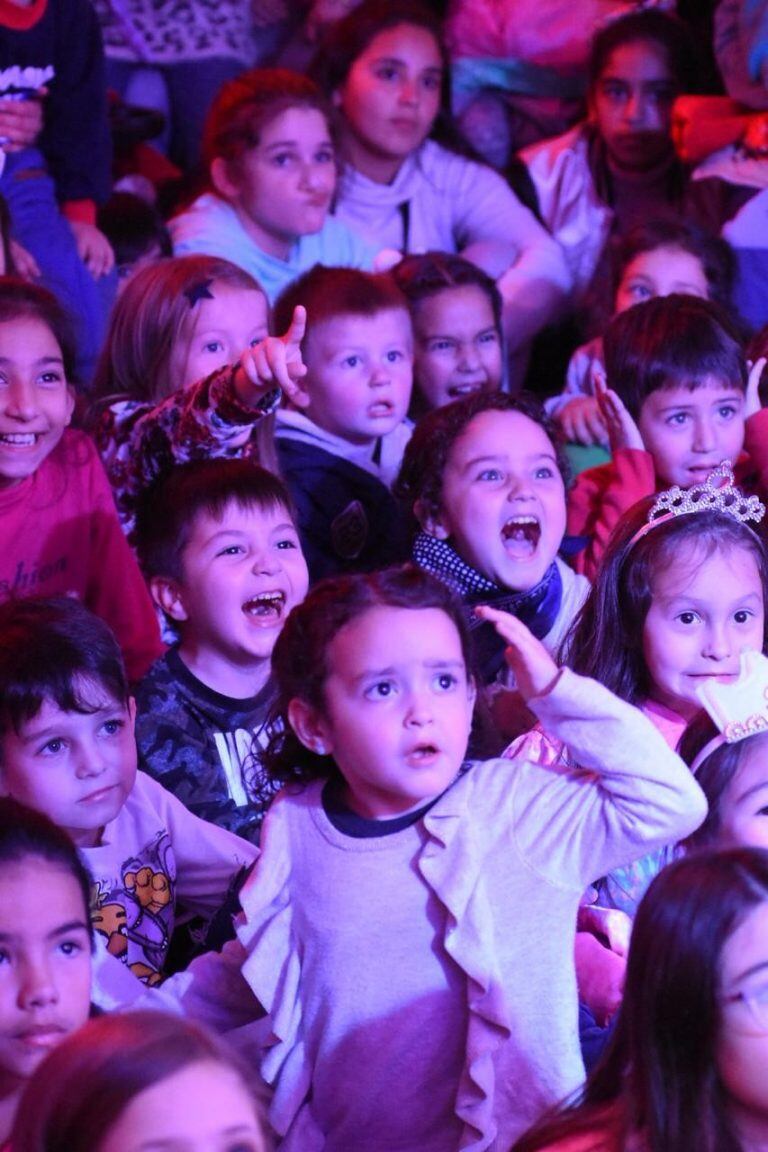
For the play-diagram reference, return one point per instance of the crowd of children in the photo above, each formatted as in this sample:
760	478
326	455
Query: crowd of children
382	746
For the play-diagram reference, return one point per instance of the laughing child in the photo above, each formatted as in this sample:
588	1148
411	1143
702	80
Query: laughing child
485	479
341	452
219	547
67	750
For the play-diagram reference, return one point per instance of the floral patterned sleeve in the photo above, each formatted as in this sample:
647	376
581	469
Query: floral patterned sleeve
138	443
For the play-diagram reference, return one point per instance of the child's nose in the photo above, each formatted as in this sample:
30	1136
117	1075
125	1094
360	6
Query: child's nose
21	400
717	642
37	987
89	761
704	439
266	563
419	711
469	357
518	487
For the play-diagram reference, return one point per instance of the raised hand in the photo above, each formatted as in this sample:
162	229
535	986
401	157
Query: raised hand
622	430
534	669
582	421
276	360
752	400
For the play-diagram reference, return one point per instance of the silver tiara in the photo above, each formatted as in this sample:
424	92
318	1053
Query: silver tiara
718	493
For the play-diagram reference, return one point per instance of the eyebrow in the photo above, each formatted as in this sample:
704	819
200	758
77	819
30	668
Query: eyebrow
173	1142
734	394
39	733
495	458
292	144
745	975
391	670
762	786
60	930
437	68
37	363
239	534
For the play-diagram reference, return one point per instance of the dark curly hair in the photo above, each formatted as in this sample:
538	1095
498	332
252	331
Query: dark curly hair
426	456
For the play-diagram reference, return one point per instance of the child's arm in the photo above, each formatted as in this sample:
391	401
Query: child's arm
618	793
216	417
756	432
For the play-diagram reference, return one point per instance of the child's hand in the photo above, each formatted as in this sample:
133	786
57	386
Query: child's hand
276	360
582	422
93	248
622	430
600	977
532	666
21	122
752	400
611	923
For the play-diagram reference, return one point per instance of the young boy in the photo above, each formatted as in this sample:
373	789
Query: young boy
341	452
678	402
67	749
219	547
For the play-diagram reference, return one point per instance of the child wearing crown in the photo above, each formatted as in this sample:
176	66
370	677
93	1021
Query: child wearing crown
678	400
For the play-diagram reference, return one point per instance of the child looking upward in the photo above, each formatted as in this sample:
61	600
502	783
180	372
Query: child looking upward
59	532
340	453
219	548
677	405
408	927
67	750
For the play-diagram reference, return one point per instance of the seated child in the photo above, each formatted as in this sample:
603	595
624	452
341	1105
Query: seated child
485	478
408	927
270	152
678	403
653	259
170	384
137	233
456	315
141	1080
341	452
59	533
219	548
67	750
45	947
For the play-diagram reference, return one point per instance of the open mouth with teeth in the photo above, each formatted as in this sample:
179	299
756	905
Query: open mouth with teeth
455	391
19	439
268	606
521	536
423	752
381	408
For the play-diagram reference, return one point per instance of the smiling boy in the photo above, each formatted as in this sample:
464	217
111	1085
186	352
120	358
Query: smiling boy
220	549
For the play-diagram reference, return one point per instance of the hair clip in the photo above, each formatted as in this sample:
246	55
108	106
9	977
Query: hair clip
711	496
739	709
199	291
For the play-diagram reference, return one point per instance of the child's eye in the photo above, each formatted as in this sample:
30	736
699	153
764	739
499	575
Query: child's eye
351	361
662	95
491	474
742	616
638	291
445	681
441	345
613	91
727	411
325	156
432	82
4	956
113	727
381	690
386	72
213	346
71	947
490	337
544	473
677	419
231	550
282	159
50	379
395	356
687	618
52	747
287	543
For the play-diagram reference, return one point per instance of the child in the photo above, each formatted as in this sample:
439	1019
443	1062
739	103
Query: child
485	478
170	383
619	168
679	403
218	546
270	153
67	750
385	67
45	947
653	259
137	233
60	534
456	315
409	922
136	1081
341	453
686	1067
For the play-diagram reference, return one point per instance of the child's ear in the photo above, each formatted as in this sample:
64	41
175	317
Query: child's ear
431	520
132	712
310	727
221	178
70	405
167	593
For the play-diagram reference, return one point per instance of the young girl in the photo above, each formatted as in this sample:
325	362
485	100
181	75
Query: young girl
676	601
385	67
269	148
170	383
653	259
394	923
686	1066
619	168
45	947
140	1080
60	533
485	478
456	314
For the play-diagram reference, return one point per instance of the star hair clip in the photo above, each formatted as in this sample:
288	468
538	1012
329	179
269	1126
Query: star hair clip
739	709
717	494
